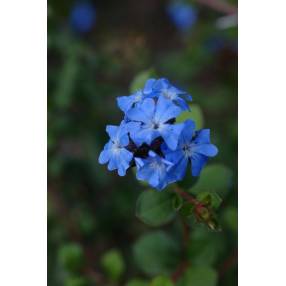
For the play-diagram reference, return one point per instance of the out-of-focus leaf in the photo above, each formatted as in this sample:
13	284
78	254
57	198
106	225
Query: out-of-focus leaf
177	201
137	282
187	209
230	218
214	178
140	79
156	253
86	222
68	75
71	257
205	248
196	114
113	264
76	281
199	276
161	281
155	208
210	198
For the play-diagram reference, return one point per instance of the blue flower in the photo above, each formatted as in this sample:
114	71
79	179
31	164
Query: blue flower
183	15
127	102
82	17
153	170
114	151
154	117
164	88
194	146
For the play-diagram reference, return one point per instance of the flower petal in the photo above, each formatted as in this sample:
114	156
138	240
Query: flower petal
104	157
125	102
165	110
202	136
112	131
209	150
178	171
143	112
198	161
171	134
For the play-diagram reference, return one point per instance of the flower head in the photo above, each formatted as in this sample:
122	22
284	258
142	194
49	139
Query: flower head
114	152
154	118
149	139
153	170
194	147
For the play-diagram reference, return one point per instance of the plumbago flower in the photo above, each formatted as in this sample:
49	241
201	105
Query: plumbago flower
154	170
194	147
127	102
149	139
154	118
114	152
162	87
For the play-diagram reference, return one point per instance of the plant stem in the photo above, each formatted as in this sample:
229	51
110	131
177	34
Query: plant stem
188	197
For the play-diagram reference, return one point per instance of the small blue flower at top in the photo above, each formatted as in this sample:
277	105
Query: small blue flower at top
114	152
183	15
194	147
154	117
82	17
153	170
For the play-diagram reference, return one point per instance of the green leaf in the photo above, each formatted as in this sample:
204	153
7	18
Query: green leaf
210	198
156	253
71	256
161	281
76	281
155	208
67	80
196	114
113	264
85	222
199	276
187	209
140	79
177	201
230	218
205	248
137	282
214	178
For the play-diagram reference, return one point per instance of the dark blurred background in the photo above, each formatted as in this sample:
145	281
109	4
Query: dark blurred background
98	50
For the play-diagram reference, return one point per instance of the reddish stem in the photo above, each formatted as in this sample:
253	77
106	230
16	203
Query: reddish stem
180	271
188	197
219	5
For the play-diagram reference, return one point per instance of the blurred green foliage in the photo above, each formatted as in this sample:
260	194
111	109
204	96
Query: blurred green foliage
94	236
113	264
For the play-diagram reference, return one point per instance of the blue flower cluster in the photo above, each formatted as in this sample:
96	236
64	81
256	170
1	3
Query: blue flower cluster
150	139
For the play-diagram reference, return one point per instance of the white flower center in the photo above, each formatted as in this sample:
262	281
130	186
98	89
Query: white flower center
156	165
138	97
115	148
169	94
187	149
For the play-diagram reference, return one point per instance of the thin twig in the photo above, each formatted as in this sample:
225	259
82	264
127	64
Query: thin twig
219	5
180	271
188	197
